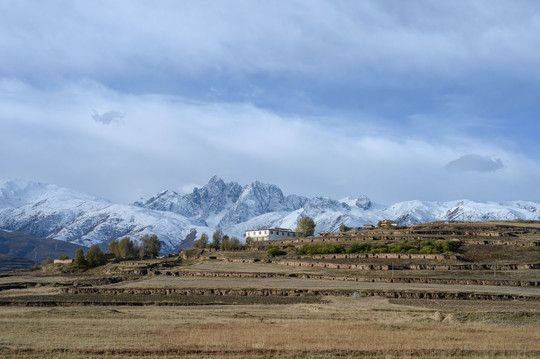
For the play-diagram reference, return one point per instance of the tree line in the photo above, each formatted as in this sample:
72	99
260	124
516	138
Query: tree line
148	247
219	241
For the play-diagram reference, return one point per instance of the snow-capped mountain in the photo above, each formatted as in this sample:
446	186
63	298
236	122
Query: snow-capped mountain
50	211
221	205
201	204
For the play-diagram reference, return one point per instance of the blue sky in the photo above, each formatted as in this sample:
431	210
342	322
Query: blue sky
424	100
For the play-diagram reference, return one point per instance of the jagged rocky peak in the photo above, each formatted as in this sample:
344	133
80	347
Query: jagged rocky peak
215	185
318	204
295	202
163	201
264	196
213	197
361	201
259	198
217	195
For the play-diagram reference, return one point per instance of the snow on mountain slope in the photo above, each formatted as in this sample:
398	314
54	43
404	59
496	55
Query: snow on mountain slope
413	212
17	193
264	205
58	213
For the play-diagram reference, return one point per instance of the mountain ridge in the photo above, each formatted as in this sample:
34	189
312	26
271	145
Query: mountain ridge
54	212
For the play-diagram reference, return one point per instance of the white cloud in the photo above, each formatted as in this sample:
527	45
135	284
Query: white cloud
169	142
325	39
188	188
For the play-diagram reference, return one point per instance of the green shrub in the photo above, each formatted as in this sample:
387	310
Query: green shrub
415	247
359	248
320	248
273	250
427	250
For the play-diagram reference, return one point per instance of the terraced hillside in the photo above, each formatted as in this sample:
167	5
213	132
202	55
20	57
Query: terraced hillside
378	292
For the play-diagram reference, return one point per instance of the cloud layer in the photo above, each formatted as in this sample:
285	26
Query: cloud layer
168	142
320	97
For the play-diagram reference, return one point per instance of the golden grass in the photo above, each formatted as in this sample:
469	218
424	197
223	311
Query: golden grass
348	326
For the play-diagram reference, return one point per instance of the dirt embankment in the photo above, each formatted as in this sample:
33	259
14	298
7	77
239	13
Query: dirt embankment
471	239
514	283
386	267
301	292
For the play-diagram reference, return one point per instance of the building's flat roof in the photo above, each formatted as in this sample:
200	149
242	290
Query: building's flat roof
272	228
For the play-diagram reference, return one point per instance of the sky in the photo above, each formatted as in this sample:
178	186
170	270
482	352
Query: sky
416	100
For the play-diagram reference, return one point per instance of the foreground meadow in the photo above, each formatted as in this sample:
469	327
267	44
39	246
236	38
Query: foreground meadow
345	326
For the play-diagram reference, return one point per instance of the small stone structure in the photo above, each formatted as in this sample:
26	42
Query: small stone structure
63	261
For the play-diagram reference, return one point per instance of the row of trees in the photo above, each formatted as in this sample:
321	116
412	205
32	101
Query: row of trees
149	247
219	241
93	258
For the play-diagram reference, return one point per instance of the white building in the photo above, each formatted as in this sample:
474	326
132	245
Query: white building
268	234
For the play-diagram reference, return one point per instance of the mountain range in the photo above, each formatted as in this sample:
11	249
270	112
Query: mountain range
50	211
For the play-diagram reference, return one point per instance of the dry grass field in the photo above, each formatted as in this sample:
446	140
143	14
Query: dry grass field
150	309
348	326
